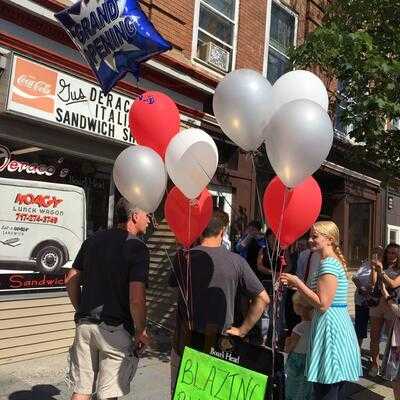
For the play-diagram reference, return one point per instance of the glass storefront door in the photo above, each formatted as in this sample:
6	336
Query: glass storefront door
360	232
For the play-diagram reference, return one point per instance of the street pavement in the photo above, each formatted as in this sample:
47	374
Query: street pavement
43	379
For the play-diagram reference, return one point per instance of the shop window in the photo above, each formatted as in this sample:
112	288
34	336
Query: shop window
215	34
393	234
50	202
228	154
282	36
360	228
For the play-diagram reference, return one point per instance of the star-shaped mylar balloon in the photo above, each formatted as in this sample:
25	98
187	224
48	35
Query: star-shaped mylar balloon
114	36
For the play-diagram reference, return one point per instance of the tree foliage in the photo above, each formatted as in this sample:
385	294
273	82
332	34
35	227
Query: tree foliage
358	43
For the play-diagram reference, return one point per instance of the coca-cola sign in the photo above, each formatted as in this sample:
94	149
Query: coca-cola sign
34	86
40	92
40	87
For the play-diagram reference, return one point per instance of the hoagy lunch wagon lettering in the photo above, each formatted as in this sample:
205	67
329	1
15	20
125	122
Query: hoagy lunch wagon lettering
39	200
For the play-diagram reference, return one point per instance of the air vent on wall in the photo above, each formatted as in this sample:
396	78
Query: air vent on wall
215	56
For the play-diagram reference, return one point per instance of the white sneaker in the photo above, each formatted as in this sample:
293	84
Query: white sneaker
373	372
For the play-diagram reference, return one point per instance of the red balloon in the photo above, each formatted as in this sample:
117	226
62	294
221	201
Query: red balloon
302	207
154	120
188	218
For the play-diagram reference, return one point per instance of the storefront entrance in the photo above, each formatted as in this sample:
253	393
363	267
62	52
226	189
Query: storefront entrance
360	232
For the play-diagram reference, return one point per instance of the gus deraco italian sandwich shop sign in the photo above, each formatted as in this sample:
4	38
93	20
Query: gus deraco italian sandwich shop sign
41	92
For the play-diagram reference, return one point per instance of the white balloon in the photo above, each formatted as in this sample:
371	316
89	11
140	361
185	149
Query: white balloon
191	160
296	85
243	106
140	176
299	138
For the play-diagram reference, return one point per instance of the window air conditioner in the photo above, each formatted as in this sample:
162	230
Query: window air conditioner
215	56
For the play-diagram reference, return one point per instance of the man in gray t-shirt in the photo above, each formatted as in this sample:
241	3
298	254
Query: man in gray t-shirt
215	277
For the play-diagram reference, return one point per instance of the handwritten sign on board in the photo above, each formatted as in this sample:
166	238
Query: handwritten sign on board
202	376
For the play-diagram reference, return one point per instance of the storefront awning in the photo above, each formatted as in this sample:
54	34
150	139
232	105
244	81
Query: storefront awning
346	171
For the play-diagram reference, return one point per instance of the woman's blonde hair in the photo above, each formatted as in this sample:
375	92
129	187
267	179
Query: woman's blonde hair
330	230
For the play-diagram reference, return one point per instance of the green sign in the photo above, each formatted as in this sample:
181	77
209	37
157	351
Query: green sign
202	376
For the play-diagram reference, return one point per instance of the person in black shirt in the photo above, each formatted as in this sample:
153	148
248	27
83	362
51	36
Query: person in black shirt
112	268
216	277
250	245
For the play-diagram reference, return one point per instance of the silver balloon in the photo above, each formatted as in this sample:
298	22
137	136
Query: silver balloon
140	176
243	106
299	138
297	85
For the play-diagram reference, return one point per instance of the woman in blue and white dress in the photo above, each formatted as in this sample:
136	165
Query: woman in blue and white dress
333	355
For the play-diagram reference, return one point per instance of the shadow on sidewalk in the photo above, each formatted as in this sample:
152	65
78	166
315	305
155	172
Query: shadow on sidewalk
160	347
38	392
355	391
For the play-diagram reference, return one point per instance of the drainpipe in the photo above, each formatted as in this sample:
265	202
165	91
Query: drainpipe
384	233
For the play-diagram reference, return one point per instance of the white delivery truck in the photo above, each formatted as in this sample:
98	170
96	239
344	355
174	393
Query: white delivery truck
42	225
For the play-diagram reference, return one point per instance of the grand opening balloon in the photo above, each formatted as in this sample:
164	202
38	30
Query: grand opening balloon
114	36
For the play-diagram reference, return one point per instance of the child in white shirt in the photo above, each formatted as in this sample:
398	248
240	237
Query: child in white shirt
297	387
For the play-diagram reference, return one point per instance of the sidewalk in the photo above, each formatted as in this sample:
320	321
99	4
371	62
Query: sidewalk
43	379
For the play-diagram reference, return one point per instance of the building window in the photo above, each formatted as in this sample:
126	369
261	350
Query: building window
341	130
393	234
282	36
395	124
215	33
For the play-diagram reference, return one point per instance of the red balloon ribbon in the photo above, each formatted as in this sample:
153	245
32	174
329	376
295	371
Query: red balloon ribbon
291	212
188	218
154	120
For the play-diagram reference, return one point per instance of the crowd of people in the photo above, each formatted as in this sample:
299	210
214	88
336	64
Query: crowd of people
295	302
376	305
376	299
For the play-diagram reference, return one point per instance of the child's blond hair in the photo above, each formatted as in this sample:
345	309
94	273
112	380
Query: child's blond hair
299	299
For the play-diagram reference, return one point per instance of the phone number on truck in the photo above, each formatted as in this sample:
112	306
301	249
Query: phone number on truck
47	219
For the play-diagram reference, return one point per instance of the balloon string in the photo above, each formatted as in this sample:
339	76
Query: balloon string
187	265
257	190
273	260
191	290
189	270
218	192
276	289
178	280
280	225
154	220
